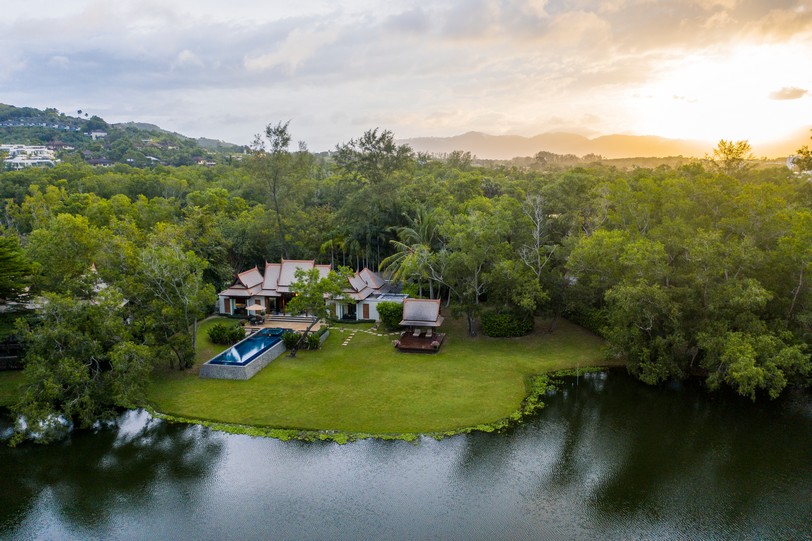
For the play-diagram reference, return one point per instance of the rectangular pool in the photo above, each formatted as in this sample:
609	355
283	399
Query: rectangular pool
245	351
247	357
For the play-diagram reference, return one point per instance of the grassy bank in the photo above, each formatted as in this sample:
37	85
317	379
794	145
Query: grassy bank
369	387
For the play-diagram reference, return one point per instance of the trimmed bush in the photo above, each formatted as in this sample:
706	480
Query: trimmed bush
313	341
391	314
290	338
226	333
505	324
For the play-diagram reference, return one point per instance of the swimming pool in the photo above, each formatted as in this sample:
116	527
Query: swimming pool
247	357
247	350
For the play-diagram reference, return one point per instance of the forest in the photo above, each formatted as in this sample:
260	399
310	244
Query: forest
700	270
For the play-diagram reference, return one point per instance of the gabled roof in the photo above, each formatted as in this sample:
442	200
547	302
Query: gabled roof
287	272
365	283
271	281
279	277
422	313
246	284
250	278
373	279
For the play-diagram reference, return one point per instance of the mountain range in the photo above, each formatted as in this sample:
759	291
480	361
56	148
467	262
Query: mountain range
506	147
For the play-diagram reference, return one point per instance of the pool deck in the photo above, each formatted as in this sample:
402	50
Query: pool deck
283	324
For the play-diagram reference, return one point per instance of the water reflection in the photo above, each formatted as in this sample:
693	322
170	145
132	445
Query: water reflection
86	478
646	459
608	458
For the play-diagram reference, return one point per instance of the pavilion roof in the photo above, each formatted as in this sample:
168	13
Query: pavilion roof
422	313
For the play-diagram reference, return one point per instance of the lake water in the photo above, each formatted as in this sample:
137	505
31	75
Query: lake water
607	459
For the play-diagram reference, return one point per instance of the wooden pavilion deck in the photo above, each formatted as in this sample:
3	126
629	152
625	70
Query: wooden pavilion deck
420	344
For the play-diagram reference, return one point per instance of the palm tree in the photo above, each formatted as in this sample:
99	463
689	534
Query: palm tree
413	249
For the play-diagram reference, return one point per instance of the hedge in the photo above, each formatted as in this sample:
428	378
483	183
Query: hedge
391	314
226	333
504	324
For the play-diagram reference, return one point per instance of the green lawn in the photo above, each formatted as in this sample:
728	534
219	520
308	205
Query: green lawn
369	387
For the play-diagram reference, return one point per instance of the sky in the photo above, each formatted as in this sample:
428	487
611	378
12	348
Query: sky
696	69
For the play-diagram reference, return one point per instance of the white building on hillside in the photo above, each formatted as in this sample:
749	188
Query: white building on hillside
22	156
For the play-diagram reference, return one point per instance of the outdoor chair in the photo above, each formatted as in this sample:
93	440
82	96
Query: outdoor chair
429	333
416	333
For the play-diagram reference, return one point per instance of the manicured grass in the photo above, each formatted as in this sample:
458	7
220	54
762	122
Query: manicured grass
10	382
369	387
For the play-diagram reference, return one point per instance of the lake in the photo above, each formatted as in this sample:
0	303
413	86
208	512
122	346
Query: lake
608	458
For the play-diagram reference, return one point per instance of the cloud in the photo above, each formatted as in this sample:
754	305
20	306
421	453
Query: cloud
187	58
439	67
59	61
298	46
788	93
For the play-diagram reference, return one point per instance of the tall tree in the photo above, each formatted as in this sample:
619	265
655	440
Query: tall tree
374	156
15	269
732	157
276	167
414	246
173	279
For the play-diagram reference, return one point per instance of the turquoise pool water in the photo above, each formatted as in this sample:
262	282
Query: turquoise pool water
244	352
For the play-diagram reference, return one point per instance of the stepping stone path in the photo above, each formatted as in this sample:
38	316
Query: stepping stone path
373	332
347	340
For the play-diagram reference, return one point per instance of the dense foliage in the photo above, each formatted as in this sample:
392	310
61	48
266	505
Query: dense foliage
698	269
507	324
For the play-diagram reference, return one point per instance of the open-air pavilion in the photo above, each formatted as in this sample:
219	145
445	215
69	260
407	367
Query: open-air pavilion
422	318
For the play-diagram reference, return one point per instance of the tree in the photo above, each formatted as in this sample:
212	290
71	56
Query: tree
15	269
63	253
732	157
536	253
311	294
374	156
80	363
803	161
750	362
178	298
474	241
413	249
275	166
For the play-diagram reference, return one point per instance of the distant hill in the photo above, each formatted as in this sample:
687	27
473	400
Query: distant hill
203	142
135	143
505	147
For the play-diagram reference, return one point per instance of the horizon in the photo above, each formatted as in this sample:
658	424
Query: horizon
700	71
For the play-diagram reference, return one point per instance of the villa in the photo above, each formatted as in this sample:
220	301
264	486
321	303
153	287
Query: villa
271	290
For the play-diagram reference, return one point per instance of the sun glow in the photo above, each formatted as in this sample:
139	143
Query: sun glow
726	94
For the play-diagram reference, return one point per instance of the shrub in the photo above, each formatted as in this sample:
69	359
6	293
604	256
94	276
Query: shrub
503	324
391	314
313	341
290	338
226	333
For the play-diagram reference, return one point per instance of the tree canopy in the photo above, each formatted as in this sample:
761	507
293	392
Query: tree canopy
701	269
